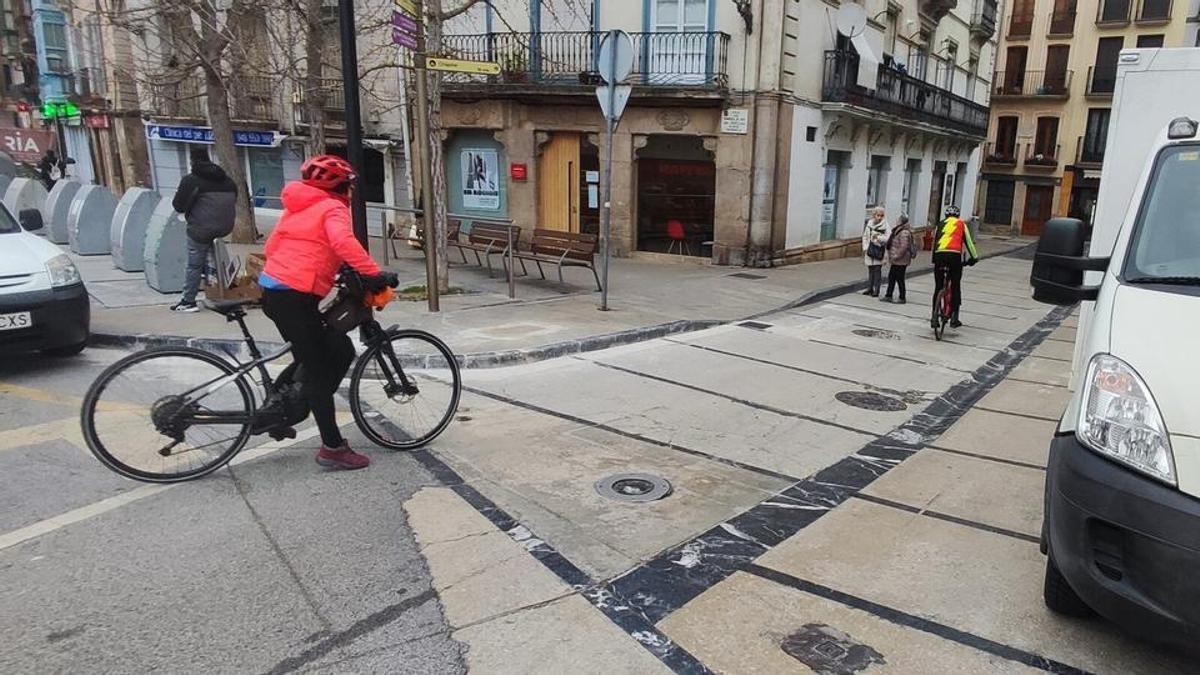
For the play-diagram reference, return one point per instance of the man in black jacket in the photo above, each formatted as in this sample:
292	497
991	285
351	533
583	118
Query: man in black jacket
206	197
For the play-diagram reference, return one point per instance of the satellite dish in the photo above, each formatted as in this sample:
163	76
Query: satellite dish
851	19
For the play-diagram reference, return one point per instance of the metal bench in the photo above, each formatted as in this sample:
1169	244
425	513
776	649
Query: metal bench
564	249
485	238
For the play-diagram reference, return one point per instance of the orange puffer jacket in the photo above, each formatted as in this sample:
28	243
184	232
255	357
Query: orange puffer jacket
311	241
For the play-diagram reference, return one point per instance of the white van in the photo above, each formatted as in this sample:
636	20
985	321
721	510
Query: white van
43	303
1122	520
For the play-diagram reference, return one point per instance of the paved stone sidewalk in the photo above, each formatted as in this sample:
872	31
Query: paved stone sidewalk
649	298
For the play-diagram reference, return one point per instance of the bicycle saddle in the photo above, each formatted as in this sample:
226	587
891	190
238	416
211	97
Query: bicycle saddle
228	307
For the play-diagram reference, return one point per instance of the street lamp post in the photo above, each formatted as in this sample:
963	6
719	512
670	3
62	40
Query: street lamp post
354	135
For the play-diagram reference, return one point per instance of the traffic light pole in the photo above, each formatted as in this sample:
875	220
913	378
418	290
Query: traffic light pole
354	135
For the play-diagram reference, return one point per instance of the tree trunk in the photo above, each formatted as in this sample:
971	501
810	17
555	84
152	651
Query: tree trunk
314	93
436	196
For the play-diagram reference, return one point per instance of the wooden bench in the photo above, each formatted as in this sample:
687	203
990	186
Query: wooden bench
564	249
485	238
418	242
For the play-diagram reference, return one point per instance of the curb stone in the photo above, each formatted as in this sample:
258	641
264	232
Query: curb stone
513	357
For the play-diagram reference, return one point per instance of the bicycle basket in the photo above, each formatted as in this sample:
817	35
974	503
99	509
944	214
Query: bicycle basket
346	312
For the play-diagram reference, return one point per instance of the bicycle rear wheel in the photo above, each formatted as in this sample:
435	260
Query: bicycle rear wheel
150	415
939	328
405	390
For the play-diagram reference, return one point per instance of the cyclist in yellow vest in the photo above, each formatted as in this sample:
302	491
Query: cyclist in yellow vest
950	242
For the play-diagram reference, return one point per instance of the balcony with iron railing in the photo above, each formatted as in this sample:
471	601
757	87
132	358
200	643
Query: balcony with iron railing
902	95
1113	13
1152	12
333	104
1089	155
983	21
1032	84
1020	25
1062	22
566	63
179	100
254	99
1041	157
996	155
1102	81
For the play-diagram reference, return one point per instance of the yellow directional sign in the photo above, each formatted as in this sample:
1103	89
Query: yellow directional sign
460	66
409	6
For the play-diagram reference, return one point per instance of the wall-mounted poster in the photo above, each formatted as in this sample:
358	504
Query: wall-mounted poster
481	179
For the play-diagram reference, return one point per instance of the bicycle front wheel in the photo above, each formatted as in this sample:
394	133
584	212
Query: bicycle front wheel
404	391
167	415
939	327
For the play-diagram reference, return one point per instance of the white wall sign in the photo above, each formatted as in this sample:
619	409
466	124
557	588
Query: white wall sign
735	121
592	176
480	179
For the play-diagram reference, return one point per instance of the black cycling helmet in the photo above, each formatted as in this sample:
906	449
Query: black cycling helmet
952	211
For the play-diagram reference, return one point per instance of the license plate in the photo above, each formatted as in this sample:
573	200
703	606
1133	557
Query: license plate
16	321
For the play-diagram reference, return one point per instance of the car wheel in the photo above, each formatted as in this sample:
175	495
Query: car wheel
69	350
1059	596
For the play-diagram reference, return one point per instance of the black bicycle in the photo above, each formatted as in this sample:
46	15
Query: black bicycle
172	414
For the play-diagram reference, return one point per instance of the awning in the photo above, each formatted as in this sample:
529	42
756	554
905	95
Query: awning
868	62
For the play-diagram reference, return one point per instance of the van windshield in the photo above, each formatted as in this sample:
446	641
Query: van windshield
1166	238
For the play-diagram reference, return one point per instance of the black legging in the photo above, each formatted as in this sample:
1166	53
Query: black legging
325	354
948	260
896	278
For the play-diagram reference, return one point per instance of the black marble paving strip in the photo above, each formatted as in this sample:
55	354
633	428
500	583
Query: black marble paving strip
734	399
938	515
669	581
628	434
907	620
999	460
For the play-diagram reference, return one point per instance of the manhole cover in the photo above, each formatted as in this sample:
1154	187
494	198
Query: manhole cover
871	401
756	325
876	333
829	650
633	487
747	275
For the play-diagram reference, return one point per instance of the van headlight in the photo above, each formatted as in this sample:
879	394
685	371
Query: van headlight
1119	419
63	272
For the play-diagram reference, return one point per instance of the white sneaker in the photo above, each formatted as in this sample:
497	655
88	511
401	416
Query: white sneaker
187	307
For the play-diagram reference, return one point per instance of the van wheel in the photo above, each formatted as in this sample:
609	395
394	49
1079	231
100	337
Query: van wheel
69	350
1059	596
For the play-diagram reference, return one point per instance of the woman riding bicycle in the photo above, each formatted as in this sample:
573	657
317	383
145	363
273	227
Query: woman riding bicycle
312	240
951	240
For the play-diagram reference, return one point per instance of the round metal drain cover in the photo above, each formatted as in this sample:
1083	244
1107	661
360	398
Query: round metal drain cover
876	333
633	487
871	401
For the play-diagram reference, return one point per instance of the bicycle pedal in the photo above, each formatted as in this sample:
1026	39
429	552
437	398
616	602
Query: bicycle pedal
282	433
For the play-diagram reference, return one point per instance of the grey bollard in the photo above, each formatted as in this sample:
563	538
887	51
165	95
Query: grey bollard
129	224
165	256
25	193
89	222
58	205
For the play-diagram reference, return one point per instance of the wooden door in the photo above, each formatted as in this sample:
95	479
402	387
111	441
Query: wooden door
558	183
1014	71
1056	69
1038	201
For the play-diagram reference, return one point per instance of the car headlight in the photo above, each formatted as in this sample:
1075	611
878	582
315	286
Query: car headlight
63	272
1120	420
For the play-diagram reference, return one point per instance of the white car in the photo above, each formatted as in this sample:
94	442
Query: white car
43	303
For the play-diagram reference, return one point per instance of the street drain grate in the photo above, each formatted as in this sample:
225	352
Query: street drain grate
829	650
756	325
633	487
747	275
876	333
871	401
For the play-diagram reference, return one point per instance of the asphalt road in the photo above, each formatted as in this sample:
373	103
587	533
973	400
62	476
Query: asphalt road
274	565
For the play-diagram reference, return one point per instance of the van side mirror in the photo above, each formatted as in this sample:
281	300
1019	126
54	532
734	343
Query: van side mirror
1058	266
31	220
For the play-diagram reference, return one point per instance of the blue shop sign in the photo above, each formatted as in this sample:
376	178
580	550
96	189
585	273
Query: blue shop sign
204	135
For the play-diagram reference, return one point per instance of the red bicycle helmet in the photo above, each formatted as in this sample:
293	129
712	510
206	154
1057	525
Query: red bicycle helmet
327	172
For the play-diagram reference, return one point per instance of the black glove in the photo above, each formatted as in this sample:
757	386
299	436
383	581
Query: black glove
972	261
380	281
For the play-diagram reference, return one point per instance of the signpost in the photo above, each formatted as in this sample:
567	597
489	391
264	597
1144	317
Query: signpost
461	66
615	64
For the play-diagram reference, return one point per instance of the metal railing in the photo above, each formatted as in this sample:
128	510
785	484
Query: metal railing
1151	11
254	98
179	99
983	21
1032	83
1087	155
1102	80
568	58
1114	11
1062	21
997	155
1041	157
1020	25
900	94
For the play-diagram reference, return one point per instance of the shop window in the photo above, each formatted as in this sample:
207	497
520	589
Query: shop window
266	176
912	173
999	205
476	168
676	188
877	181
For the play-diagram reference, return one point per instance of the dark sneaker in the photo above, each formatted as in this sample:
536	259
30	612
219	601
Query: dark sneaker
886	298
868	292
955	323
901	301
187	307
342	458
933	323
